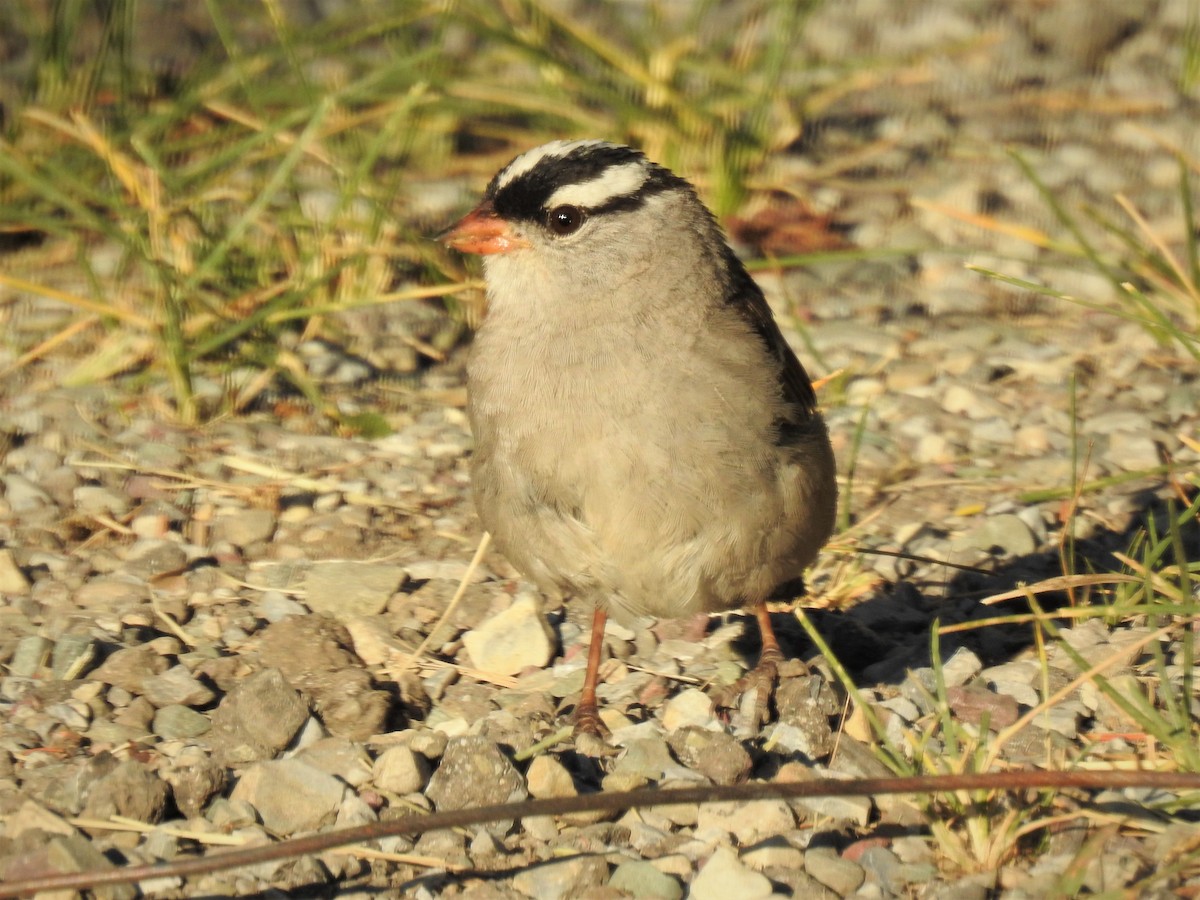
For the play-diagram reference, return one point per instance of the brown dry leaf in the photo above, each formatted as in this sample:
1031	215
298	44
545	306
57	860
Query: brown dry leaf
787	229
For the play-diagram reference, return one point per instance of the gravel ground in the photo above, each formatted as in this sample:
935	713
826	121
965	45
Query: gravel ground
212	630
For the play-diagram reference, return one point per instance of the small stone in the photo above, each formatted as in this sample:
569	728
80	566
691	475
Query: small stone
194	778
373	641
31	815
339	757
647	758
512	640
973	704
1035	522
348	703
1031	440
111	593
912	850
244	527
290	795
72	656
961	667
429	744
400	770
177	686
31	654
442	844
674	864
855	810
639	879
231	815
130	668
150	558
1062	718
803	725
993	431
311	652
1003	535
962	401
129	790
256	719
1115	420
906	374
1015	679
484	845
95	500
273	606
547	777
748	821
1132	452
72	713
23	496
560	879
346	590
903	707
724	876
12	579
933	449
840	875
474	772
714	754
969	887
150	525
446	570
773	853
883	868
75	853
177	722
690	707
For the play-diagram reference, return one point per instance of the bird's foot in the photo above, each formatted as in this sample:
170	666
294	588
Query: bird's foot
588	721
591	734
751	694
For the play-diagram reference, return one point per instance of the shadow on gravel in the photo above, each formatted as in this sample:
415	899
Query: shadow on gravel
881	638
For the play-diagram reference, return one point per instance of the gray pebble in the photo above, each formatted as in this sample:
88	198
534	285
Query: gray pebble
75	853
274	606
290	795
177	685
642	881
256	719
400	770
347	590
473	772
244	527
1004	535
842	876
174	721
560	879
724	876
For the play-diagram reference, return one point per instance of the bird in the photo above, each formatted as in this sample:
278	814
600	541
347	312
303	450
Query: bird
645	439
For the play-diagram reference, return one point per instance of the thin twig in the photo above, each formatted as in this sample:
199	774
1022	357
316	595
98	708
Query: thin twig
614	801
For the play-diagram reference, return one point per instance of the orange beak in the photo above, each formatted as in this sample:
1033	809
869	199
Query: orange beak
482	231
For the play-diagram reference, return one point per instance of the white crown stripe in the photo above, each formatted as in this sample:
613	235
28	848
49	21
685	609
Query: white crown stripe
528	161
617	181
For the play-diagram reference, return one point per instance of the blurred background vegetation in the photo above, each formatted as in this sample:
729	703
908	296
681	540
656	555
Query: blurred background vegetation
235	168
224	179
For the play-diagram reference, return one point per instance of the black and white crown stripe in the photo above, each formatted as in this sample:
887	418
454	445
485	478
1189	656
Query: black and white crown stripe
594	176
528	161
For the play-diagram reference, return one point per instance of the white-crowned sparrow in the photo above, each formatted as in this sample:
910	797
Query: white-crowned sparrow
645	439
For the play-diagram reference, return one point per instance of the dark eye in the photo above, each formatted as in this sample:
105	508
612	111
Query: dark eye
564	220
